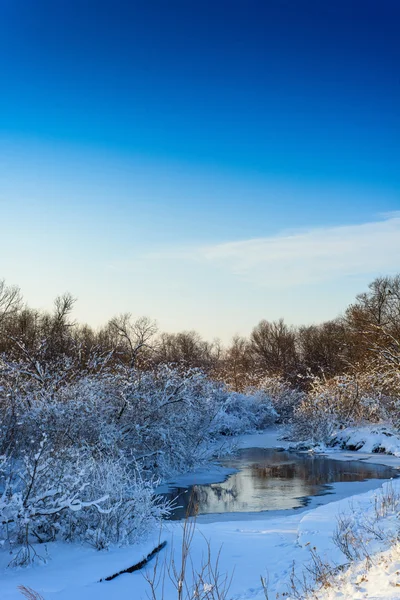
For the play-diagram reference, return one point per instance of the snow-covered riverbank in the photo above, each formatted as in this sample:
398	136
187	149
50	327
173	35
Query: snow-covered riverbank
249	548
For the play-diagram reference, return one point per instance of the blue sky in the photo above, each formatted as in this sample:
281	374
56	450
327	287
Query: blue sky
206	163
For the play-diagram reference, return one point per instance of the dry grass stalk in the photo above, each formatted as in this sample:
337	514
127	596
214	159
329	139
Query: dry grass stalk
30	593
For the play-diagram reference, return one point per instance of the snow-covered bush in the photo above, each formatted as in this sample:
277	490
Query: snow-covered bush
130	507
284	397
46	497
242	413
314	420
343	401
38	489
328	405
167	417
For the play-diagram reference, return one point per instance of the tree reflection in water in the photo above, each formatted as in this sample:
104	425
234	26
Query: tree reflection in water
271	480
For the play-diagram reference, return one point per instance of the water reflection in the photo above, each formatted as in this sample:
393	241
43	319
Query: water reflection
271	480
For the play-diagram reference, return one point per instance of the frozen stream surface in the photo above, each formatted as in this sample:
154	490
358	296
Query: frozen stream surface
260	480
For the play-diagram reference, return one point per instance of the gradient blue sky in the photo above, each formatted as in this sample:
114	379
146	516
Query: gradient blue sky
205	163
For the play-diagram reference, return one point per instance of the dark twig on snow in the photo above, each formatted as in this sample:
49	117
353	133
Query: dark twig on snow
138	565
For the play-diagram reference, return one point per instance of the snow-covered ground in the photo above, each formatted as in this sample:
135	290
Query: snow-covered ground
370	439
379	580
249	549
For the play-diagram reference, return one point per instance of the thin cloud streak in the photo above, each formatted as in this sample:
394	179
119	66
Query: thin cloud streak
290	258
312	256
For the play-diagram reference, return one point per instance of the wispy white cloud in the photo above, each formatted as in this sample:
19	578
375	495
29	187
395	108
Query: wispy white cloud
290	258
314	255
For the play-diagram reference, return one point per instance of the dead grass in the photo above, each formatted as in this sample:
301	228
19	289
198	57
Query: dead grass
30	593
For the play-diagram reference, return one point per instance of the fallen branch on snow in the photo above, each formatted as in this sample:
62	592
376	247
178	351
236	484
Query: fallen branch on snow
138	565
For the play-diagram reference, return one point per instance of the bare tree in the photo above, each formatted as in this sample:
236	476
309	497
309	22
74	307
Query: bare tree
274	345
237	366
323	349
187	348
63	306
134	335
374	319
10	300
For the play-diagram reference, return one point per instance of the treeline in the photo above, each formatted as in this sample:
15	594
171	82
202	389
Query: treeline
369	330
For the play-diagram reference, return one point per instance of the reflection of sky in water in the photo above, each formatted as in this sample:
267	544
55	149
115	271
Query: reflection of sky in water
269	480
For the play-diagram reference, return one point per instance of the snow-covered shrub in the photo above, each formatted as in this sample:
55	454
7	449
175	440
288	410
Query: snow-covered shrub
83	413
46	497
343	401
284	397
166	418
130	507
38	489
242	413
314	420
328	404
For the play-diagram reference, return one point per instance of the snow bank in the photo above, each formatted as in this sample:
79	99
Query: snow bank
378	574
378	439
370	439
362	581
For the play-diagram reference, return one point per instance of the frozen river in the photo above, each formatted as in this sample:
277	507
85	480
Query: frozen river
264	480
